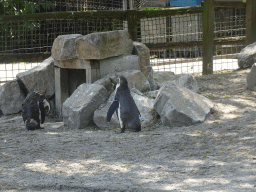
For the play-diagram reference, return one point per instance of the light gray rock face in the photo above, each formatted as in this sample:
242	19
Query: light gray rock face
39	79
187	81
144	104
161	77
78	109
64	47
118	64
12	119
153	94
135	79
179	106
100	115
143	52
11	98
251	78
104	45
246	57
107	82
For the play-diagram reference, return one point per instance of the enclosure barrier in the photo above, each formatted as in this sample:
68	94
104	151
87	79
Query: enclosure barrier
175	36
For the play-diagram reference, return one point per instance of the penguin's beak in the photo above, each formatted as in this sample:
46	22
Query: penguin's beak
47	106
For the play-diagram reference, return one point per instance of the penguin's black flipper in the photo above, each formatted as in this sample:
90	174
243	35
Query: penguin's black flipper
42	110
113	107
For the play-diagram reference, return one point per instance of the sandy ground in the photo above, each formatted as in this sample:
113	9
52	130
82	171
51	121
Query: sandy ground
217	155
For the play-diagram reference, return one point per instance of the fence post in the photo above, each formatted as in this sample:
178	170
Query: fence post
208	36
132	24
250	21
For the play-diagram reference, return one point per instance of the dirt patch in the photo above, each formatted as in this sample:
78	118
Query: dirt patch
217	155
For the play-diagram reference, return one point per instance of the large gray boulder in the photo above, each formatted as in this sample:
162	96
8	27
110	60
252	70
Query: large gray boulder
143	52
187	81
153	94
135	79
104	45
78	109
118	64
108	83
246	57
161	77
11	98
146	107
180	106
100	115
39	79
251	78
64	47
144	104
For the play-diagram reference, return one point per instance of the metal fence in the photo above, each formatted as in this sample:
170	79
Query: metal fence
174	37
183	33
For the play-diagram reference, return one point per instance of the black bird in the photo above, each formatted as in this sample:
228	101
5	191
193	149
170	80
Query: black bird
34	110
125	107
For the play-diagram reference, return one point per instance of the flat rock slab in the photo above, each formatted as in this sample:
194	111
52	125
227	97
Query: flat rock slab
143	52
64	47
11	98
135	79
39	79
104	45
246	57
118	64
144	104
187	81
179	106
78	109
100	115
153	94
161	77
251	78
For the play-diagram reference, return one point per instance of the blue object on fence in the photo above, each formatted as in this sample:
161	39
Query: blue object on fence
183	3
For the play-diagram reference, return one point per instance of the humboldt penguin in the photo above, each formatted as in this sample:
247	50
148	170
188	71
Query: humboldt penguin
34	109
125	107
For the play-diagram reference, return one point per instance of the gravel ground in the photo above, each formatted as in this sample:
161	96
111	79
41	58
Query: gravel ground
217	155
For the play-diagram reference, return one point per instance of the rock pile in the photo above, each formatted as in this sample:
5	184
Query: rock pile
175	103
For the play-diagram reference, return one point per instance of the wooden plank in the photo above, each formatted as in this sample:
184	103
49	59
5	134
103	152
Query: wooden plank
61	89
208	36
192	44
70	15
23	57
250	21
132	24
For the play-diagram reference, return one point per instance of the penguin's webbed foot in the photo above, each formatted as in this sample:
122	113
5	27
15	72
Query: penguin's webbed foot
122	130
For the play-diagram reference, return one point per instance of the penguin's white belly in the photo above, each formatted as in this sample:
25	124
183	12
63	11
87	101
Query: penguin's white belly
119	116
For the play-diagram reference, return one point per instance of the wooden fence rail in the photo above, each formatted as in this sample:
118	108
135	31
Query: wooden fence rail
207	8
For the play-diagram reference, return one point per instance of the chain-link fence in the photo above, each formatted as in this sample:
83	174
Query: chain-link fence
176	41
174	36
